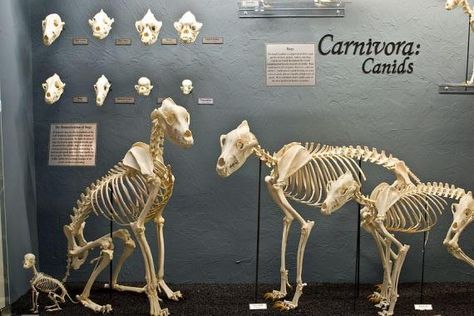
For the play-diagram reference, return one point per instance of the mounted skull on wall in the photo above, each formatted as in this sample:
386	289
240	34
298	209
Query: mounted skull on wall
187	86
102	88
52	28
148	28
53	89
188	28
144	86
101	24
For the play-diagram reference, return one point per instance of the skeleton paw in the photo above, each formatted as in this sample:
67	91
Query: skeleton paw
104	309
52	309
176	296
383	304
375	297
384	313
284	305
274	295
163	312
378	287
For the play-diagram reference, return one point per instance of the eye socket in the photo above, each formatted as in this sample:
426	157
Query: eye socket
187	119
223	139
105	88
95	88
344	191
239	144
468	212
193	27
57	85
56	23
153	28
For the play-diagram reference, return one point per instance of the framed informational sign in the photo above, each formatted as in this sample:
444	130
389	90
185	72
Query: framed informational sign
73	144
290	65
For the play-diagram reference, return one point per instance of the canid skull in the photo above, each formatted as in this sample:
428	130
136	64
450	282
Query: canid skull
53	89
102	88
29	261
52	28
339	192
101	25
187	86
174	120
463	215
144	86
188	28
148	28
236	147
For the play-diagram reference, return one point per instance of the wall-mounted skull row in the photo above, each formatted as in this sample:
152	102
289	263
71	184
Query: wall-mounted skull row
54	88
148	27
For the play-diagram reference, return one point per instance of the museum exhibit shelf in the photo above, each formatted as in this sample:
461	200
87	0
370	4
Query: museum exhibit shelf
290	9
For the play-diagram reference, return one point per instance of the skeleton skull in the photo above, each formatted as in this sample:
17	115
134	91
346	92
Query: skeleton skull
175	120
451	4
53	89
187	86
29	261
148	28
52	28
101	25
102	88
144	86
339	192
188	28
236	147
463	215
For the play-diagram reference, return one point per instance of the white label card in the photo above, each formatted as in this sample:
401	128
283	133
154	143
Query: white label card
258	306
423	307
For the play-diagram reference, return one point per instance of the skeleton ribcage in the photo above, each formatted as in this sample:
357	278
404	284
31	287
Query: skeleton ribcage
414	212
45	283
308	184
124	193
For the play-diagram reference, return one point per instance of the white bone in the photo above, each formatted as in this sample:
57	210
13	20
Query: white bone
52	27
144	86
302	173
53	89
133	193
148	28
188	28
44	283
102	88
401	208
187	86
101	24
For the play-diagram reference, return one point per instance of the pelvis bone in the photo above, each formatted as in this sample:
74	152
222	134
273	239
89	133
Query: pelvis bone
148	28
188	28
144	86
53	89
102	88
101	25
52	28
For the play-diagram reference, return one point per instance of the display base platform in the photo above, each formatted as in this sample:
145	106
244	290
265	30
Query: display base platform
233	299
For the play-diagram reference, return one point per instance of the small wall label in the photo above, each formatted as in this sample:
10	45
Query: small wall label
205	101
123	42
169	41
423	307
80	41
124	100
258	306
80	99
213	40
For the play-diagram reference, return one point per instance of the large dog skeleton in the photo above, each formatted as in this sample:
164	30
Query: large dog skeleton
300	173
400	207
134	192
464	4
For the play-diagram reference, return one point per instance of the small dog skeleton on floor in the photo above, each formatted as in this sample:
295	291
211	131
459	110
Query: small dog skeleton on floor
42	282
300	173
400	207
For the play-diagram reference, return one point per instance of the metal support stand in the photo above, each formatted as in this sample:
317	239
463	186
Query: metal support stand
357	265
258	227
290	9
460	88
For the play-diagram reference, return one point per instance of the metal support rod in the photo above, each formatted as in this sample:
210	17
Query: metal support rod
357	265
258	227
468	46
423	250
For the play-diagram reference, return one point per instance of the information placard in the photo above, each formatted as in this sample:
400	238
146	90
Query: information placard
290	65
72	144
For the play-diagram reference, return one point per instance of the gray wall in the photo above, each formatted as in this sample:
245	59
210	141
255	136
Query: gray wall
15	82
210	227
